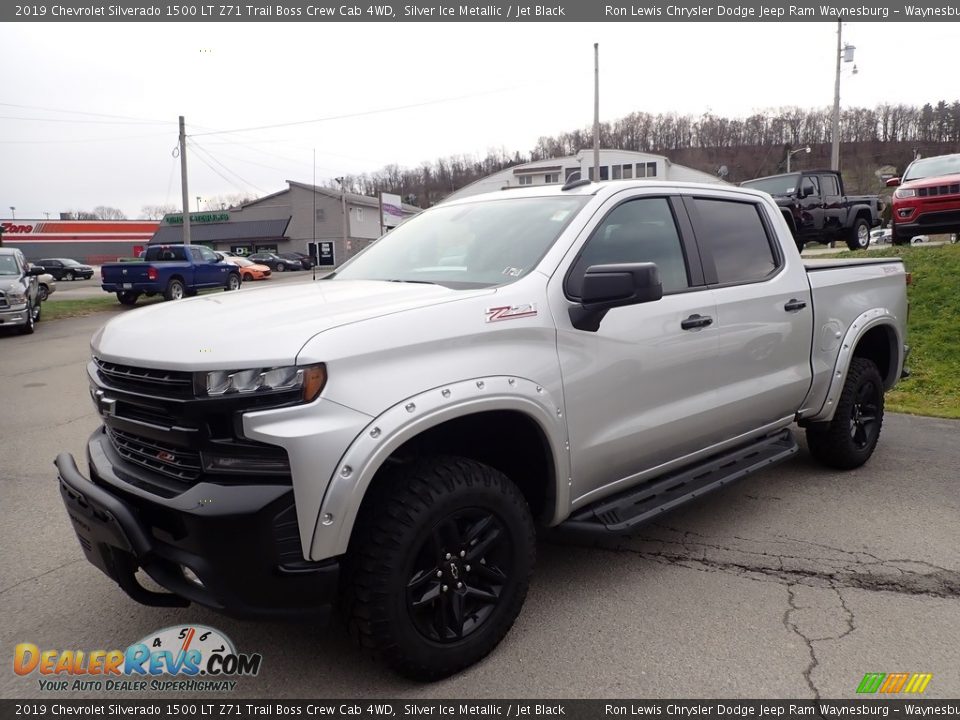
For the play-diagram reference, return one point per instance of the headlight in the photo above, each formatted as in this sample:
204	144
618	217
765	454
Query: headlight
311	378
904	193
15	297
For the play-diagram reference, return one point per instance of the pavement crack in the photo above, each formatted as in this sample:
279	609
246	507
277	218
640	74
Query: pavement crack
40	575
794	627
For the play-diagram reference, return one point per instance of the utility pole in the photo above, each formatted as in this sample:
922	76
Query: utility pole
343	209
183	183
835	147
596	112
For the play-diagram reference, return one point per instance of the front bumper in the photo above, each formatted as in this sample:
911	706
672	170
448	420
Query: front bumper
14	317
240	543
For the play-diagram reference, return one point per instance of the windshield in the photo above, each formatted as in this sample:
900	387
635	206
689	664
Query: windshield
778	185
933	167
242	262
8	266
479	244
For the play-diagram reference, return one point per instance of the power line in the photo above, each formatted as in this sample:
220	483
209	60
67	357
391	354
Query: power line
363	113
202	151
81	112
91	122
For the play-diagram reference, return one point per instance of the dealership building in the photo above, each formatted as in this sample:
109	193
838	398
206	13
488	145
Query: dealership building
288	221
614	165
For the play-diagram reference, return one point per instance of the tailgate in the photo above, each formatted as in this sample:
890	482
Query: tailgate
125	272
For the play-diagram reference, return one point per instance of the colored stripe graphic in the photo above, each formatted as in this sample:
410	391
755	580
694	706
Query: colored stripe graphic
894	682
918	682
871	682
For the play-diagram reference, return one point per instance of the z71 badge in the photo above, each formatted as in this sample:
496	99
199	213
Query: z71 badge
511	312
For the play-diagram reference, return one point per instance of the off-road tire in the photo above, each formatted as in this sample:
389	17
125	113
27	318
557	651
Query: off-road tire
848	441
175	290
402	530
128	297
859	235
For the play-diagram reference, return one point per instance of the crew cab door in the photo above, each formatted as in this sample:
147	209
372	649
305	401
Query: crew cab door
810	203
834	208
764	313
637	391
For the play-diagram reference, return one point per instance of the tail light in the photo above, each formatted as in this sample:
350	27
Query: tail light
152	273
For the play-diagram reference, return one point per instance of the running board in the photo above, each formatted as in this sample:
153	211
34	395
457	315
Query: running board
638	505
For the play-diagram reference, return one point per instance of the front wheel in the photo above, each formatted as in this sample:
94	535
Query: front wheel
68	275
434	588
33	317
859	235
233	282
43	292
848	441
281	267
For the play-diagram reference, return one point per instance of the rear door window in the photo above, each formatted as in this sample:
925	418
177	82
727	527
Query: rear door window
733	236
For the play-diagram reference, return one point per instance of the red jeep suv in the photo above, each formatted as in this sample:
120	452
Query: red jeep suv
927	198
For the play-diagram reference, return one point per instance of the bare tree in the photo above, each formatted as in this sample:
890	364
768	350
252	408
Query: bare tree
78	215
156	212
104	212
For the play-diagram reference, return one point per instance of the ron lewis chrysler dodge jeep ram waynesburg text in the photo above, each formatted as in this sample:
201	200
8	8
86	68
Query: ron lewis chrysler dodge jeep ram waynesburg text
584	357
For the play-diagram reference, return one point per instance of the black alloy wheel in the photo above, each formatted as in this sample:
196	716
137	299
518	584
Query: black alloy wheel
865	415
458	575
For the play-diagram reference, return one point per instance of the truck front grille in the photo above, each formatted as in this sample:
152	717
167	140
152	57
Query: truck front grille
173	462
149	380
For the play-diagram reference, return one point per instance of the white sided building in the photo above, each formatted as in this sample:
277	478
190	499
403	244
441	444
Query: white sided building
614	165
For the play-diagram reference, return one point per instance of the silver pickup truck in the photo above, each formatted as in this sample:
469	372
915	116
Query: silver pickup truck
585	357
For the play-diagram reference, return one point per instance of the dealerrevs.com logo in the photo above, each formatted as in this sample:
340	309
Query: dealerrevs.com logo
196	656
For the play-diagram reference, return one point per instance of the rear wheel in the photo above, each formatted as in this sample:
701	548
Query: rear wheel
175	290
439	566
848	441
128	297
859	235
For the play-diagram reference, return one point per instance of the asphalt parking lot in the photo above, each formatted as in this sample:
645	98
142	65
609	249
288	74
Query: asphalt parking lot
793	583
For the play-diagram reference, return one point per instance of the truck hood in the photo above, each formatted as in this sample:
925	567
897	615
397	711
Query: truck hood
257	327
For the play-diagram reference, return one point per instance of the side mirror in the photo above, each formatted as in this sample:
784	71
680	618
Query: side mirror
219	257
35	270
610	286
893	182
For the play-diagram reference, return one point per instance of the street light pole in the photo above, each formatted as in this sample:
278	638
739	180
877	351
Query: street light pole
791	153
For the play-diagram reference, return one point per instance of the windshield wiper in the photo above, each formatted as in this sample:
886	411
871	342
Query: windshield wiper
417	282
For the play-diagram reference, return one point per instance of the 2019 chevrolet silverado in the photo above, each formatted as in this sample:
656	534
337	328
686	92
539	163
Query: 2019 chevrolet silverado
584	357
816	209
927	198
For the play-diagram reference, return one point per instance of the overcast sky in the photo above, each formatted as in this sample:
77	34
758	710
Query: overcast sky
478	86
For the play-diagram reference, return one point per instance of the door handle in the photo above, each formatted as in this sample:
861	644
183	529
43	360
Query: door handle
793	305
696	321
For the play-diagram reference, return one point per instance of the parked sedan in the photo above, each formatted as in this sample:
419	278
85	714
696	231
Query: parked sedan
66	269
305	262
274	261
46	286
249	270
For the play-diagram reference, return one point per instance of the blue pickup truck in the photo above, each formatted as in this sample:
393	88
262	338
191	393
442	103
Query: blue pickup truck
175	271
